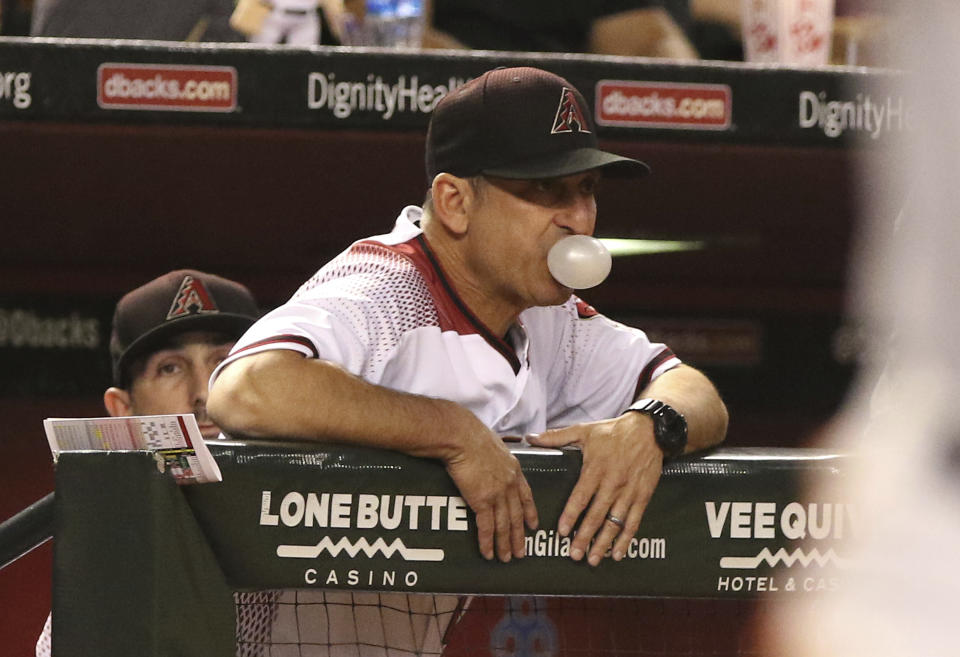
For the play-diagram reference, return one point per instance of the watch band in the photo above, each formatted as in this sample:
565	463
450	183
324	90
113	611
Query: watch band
644	405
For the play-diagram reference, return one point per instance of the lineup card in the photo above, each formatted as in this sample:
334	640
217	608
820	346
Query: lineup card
175	440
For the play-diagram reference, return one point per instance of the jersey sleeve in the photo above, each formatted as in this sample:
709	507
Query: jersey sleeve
599	365
354	313
313	328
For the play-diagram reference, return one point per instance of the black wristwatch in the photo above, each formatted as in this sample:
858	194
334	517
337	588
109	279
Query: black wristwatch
669	426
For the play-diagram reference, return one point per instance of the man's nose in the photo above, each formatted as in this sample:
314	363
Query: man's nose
580	216
199	383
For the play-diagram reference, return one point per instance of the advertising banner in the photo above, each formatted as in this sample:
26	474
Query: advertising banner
374	89
727	524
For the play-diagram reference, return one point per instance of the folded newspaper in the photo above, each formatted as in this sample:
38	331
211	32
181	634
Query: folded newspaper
175	441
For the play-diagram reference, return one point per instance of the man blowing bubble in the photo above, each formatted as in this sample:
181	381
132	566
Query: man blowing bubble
452	331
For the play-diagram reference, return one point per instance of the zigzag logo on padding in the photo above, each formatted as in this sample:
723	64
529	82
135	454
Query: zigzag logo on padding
362	545
788	559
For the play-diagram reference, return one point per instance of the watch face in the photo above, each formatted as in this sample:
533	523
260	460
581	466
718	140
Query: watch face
669	427
671	421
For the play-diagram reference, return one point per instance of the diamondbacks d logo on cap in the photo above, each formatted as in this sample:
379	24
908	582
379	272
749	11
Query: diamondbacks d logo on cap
569	117
192	297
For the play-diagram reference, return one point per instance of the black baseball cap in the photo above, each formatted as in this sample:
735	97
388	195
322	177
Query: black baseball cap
520	123
177	302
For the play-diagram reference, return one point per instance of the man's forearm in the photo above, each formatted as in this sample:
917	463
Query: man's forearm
692	394
283	394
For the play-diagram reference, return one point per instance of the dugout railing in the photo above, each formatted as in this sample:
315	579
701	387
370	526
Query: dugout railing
142	566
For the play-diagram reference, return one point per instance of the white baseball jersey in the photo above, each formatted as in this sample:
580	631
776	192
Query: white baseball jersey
385	311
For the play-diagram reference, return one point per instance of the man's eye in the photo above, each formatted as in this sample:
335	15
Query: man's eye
548	190
167	369
590	186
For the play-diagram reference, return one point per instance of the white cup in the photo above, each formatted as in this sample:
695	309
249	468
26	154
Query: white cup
787	31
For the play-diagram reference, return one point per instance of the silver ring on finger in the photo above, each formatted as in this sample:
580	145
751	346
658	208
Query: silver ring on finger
615	520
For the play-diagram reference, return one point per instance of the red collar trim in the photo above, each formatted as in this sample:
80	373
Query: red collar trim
453	313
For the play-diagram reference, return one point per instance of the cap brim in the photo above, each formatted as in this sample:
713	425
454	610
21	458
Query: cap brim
569	163
229	324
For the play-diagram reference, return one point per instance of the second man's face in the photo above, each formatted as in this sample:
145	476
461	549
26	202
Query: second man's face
174	379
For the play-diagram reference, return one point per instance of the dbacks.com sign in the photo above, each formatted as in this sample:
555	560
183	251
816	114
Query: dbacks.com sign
167	87
630	104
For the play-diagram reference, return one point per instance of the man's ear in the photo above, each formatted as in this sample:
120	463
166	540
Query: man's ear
452	197
118	402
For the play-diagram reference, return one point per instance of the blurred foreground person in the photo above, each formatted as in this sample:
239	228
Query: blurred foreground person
898	596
